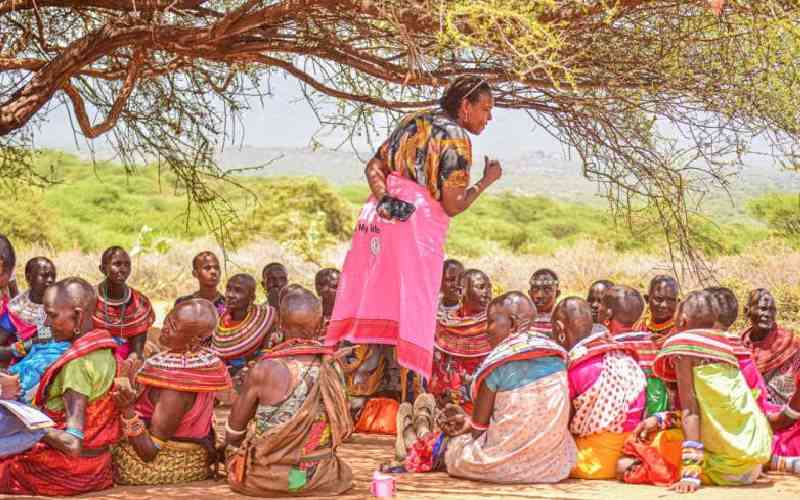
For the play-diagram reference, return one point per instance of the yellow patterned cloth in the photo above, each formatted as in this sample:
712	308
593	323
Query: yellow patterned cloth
176	462
598	455
431	149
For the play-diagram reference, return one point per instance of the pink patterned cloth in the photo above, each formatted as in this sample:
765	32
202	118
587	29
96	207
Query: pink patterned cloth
608	393
512	452
389	287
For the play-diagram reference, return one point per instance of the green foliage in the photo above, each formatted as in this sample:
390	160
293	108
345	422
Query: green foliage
90	209
537	225
304	214
780	212
27	219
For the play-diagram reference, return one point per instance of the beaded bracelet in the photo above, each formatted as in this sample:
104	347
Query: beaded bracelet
478	427
133	426
18	349
692	457
667	419
75	432
790	412
232	433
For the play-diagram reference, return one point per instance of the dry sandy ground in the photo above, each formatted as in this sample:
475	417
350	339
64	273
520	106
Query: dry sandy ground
365	453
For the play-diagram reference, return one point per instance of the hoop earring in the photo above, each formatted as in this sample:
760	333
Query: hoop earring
562	338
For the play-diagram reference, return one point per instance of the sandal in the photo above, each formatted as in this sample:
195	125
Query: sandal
404	420
424	408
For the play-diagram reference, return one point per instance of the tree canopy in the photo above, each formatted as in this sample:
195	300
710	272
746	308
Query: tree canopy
611	79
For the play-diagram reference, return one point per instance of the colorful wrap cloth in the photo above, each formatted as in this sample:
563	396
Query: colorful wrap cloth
598	455
296	455
659	460
461	344
124	321
658	397
777	357
234	341
46	471
787	441
709	345
511	451
389	286
31	368
735	433
607	389
201	373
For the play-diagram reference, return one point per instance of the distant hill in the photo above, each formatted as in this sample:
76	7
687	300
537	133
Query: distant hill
531	172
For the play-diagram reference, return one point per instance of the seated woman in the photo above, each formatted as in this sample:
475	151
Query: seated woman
461	342
35	350
243	329
726	438
207	272
121	310
607	389
23	320
168	427
285	427
73	457
786	424
523	380
544	292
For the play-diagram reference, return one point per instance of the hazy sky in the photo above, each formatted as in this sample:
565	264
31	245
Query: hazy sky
286	120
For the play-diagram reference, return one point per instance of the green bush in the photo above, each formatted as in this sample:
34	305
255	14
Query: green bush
780	212
304	214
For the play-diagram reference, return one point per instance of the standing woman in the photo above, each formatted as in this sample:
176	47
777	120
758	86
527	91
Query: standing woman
419	179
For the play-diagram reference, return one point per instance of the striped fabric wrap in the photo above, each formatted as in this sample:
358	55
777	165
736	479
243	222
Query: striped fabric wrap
461	335
597	344
234	341
645	348
516	347
199	371
299	347
705	344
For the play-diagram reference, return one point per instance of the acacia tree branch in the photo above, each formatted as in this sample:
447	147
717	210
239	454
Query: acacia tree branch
91	131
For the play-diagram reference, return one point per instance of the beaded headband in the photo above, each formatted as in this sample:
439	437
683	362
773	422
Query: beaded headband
544	282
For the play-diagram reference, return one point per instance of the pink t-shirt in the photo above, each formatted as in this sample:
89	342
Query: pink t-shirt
583	375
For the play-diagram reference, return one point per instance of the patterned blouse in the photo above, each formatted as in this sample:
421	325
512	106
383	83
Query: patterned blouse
430	148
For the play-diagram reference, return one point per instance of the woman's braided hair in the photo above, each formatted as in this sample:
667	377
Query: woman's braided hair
464	87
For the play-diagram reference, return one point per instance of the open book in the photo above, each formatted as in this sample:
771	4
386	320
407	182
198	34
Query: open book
32	418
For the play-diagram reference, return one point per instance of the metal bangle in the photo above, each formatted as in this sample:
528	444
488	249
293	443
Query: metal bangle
790	412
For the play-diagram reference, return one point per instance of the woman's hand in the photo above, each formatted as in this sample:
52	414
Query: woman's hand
9	386
492	171
645	428
124	395
453	421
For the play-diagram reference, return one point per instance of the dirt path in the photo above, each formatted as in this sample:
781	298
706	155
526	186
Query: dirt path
365	453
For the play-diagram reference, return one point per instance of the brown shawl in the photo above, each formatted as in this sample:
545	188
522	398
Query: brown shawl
261	465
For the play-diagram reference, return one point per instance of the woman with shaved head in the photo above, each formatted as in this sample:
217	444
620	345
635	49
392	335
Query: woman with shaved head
522	381
73	457
168	426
